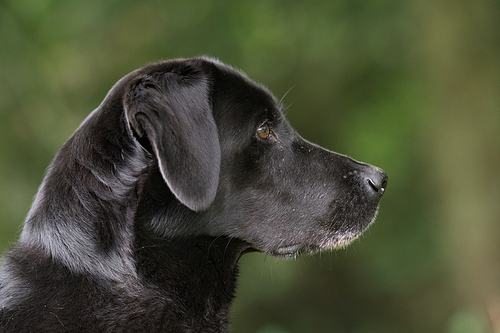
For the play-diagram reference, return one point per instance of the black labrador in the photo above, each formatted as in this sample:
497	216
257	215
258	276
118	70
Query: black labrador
143	213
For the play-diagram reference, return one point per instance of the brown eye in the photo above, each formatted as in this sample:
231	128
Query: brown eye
264	131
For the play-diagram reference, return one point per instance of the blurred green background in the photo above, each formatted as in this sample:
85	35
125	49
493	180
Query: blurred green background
410	86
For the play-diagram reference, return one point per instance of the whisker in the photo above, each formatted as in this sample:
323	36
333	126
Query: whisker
282	98
225	249
285	110
212	243
263	263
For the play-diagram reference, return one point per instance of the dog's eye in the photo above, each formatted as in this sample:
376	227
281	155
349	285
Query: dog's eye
264	132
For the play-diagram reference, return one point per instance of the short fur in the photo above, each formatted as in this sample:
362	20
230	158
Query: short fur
146	209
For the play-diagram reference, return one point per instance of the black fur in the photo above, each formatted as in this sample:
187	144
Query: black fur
146	209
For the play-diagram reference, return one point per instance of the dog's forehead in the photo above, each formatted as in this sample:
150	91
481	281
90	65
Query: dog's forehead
240	80
230	84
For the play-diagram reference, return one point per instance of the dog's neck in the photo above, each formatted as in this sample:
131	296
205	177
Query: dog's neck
90	186
200	271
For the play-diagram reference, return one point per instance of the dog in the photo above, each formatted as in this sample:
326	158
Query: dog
144	212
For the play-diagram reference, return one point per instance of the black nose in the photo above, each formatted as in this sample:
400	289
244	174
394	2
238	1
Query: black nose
376	181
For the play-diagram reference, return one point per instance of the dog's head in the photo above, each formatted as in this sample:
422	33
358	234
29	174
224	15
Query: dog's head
224	161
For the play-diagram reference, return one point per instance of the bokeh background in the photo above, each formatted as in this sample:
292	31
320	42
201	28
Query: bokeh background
410	86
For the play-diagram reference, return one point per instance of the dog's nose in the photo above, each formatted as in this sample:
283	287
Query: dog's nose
376	181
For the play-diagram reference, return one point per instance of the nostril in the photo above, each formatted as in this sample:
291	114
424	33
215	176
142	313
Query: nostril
378	184
373	185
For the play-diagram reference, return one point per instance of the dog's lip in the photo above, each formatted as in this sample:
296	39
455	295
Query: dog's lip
289	249
293	250
296	249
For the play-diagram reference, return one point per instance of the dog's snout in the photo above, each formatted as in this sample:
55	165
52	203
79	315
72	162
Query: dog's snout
376	180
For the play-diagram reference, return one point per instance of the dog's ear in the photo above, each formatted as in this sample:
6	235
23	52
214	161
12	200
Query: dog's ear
173	112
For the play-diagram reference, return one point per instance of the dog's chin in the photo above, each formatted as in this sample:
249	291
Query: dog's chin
292	251
337	241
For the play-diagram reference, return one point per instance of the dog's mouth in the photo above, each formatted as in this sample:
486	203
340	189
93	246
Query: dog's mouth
296	249
327	240
291	251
